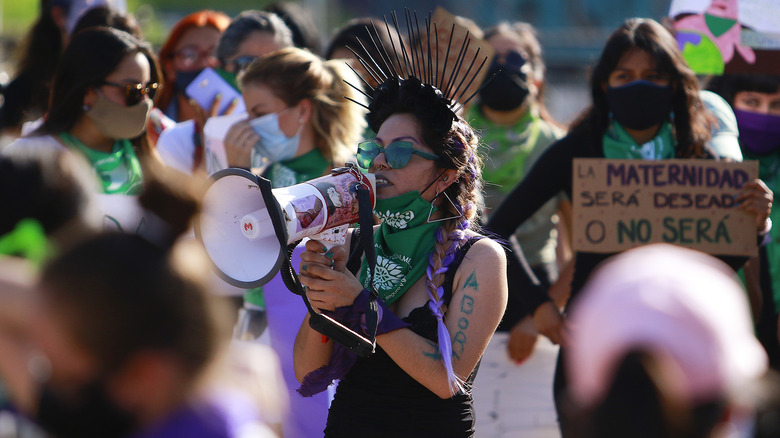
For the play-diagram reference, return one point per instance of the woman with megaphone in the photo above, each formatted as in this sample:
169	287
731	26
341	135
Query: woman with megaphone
441	286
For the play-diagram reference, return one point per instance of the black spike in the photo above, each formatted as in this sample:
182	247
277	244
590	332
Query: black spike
472	78
430	58
410	33
401	43
365	65
355	101
358	89
378	70
436	33
361	77
423	70
392	44
447	58
383	52
458	62
476	92
466	75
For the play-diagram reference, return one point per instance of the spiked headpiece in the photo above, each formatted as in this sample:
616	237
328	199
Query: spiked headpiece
411	77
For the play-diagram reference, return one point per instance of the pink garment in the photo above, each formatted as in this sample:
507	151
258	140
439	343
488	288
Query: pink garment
683	306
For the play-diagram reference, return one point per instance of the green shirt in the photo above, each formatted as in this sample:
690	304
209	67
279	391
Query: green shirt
510	154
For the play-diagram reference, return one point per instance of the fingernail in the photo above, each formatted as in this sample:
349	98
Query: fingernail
329	254
235	101
219	96
303	267
324	248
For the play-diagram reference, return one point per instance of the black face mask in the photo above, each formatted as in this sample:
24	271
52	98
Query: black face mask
90	414
508	89
184	78
640	104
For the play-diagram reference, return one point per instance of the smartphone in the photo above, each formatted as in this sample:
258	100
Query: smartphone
205	87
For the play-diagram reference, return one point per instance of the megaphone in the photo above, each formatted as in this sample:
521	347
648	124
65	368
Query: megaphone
245	225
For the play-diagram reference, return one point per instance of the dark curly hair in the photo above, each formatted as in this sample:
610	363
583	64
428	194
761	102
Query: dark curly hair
424	101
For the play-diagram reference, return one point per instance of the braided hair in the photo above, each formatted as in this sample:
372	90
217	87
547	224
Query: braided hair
452	139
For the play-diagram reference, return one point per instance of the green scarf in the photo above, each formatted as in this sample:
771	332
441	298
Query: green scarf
403	243
510	147
718	25
769	172
308	166
119	170
28	239
284	174
617	143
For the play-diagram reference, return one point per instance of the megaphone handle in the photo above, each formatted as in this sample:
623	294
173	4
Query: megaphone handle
332	237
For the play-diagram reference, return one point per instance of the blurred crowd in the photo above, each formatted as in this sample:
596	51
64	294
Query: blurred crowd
113	323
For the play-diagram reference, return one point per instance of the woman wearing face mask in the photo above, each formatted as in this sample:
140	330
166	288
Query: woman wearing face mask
645	105
300	126
756	102
101	97
517	129
191	47
250	35
441	285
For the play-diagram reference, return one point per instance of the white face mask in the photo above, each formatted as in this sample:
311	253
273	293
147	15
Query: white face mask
274	145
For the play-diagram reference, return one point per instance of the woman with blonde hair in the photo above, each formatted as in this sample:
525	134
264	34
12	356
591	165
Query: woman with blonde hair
300	127
299	123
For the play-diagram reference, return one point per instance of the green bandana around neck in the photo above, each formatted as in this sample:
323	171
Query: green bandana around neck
403	243
308	166
510	147
718	25
617	143
28	239
119	171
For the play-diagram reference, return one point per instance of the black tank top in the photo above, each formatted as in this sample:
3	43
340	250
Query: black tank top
378	399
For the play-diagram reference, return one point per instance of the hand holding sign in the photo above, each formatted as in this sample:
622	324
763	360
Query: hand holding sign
711	206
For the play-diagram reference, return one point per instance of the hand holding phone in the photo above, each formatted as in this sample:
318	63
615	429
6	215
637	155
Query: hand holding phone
205	88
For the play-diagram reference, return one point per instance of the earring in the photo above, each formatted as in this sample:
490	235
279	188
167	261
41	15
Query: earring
445	178
86	108
446	218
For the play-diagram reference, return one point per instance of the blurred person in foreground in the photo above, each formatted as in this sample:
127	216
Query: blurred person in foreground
119	338
662	345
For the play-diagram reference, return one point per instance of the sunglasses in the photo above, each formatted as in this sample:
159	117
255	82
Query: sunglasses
397	153
134	93
241	63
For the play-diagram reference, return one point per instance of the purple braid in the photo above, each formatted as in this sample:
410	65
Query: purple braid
436	303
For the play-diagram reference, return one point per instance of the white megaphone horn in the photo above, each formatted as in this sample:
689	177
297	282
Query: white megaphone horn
246	226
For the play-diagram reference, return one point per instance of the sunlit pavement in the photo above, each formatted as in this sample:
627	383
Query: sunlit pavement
516	401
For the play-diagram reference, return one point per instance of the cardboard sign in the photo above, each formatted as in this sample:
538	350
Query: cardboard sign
469	61
622	204
728	36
